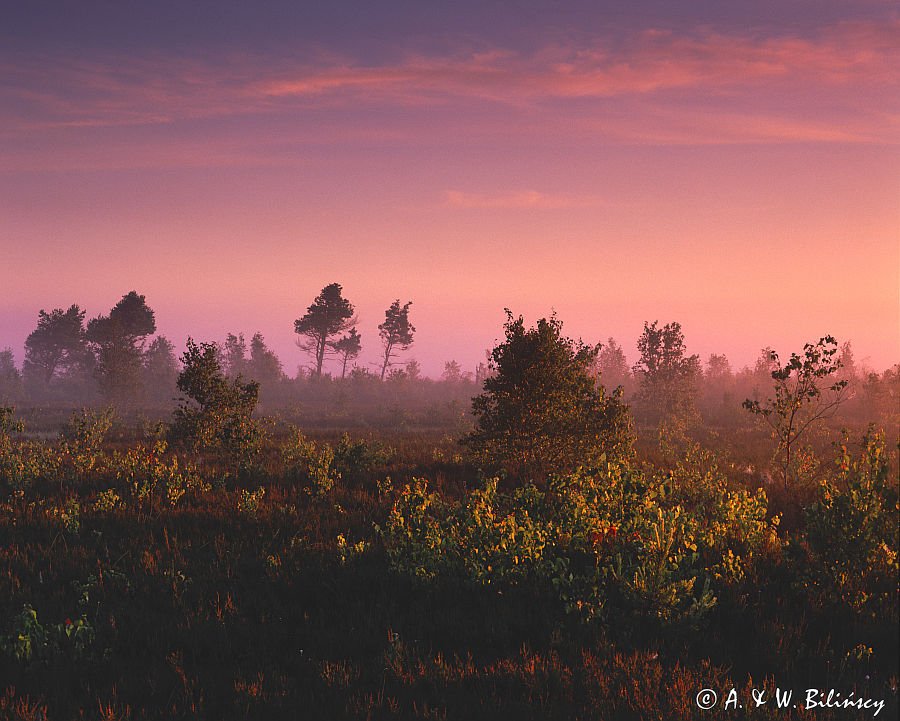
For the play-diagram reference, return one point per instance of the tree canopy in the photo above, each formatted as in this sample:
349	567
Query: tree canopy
216	414
668	376
396	332
118	342
348	348
542	412
57	346
329	314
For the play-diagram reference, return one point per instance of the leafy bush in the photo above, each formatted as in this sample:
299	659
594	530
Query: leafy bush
151	474
851	530
354	459
610	543
31	641
81	442
249	501
217	415
307	462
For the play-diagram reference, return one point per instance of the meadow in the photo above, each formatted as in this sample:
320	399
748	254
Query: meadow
221	563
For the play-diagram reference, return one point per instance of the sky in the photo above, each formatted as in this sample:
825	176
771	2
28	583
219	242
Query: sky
732	166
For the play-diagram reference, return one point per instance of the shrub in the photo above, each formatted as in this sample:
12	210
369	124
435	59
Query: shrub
542	411
310	463
217	415
851	530
29	640
611	544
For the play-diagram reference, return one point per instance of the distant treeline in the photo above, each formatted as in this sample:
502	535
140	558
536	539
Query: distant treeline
117	359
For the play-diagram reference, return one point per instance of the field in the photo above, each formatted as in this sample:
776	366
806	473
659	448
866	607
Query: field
140	580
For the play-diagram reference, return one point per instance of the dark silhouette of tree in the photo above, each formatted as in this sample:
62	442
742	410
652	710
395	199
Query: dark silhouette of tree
234	355
542	411
216	415
160	369
118	342
10	378
56	348
348	349
802	397
264	365
396	332
668	376
329	315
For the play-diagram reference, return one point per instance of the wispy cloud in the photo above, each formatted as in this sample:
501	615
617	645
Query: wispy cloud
520	199
654	87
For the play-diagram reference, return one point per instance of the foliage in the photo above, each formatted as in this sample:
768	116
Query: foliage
118	342
161	369
310	463
477	600
611	366
81	442
219	418
355	459
668	376
234	355
800	399
11	388
329	314
264	365
851	530
107	501
152	476
249	501
348	348
609	543
31	641
396	332
56	347
542	412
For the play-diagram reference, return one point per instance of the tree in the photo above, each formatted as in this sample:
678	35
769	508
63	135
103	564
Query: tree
10	378
234	355
542	411
668	376
802	397
718	388
264	365
265	368
56	348
217	413
118	342
612	366
329	315
396	332
160	369
453	373
348	348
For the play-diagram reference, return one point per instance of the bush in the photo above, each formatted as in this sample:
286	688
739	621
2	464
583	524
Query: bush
217	416
542	411
851	531
610	544
310	463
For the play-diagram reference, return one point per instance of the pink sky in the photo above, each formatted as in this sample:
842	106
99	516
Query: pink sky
745	184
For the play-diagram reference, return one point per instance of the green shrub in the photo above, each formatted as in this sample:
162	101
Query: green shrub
31	641
310	463
609	543
851	530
